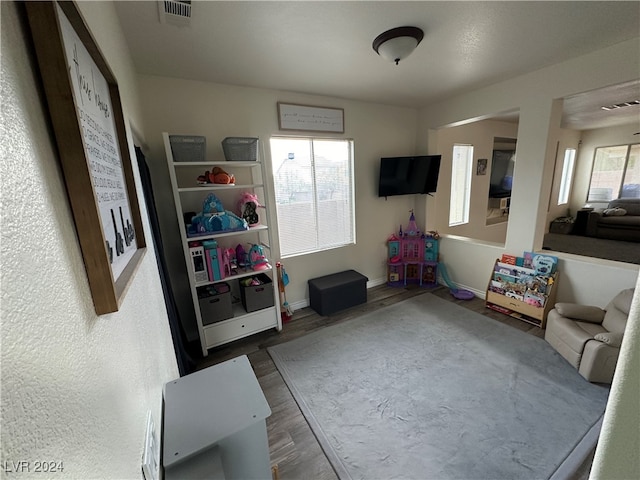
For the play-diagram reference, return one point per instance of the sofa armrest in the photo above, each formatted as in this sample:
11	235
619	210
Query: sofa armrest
612	339
586	313
592	223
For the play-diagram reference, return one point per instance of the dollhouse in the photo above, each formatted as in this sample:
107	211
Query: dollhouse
412	257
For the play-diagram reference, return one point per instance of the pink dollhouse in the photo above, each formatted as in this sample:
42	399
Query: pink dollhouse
412	257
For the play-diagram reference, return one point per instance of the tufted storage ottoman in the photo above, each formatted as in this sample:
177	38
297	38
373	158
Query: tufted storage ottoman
337	291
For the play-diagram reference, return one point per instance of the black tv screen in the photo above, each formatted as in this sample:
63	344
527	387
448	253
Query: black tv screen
408	175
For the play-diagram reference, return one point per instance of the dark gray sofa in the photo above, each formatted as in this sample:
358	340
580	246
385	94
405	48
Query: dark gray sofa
616	227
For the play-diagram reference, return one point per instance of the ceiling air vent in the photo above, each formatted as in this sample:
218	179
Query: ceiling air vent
175	12
621	105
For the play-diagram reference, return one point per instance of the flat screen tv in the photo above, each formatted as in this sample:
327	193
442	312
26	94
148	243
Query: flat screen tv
408	175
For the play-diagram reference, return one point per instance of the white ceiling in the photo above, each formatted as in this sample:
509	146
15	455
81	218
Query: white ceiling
324	48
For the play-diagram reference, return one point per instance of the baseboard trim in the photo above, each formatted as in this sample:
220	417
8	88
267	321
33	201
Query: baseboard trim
381	281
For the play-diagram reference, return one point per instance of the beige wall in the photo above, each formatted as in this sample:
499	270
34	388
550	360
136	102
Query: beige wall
76	388
218	111
591	139
480	135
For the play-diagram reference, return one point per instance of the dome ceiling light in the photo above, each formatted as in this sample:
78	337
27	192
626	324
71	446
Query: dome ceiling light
398	43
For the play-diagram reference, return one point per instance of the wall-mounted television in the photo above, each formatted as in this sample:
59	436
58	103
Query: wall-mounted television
408	175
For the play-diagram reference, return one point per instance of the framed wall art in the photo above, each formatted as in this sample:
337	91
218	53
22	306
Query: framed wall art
308	118
86	114
481	168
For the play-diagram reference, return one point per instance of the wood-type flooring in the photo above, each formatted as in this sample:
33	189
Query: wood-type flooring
292	444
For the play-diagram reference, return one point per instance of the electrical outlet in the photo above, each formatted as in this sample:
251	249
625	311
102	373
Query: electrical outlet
151	452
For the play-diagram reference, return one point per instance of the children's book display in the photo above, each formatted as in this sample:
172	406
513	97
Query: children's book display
412	257
524	287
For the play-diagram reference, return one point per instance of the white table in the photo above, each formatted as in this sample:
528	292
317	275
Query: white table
214	424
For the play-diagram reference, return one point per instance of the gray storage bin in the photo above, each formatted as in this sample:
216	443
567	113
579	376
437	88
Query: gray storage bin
240	149
257	297
188	148
215	303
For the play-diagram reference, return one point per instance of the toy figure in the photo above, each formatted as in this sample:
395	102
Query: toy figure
247	206
217	175
257	258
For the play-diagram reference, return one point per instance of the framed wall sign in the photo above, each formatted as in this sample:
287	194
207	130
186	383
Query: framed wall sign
309	118
86	114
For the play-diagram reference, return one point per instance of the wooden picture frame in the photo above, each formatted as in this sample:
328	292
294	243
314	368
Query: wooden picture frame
292	116
84	105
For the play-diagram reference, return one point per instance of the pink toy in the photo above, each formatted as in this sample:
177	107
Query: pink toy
227	254
247	206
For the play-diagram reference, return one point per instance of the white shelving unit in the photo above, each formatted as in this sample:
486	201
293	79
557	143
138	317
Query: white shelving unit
188	197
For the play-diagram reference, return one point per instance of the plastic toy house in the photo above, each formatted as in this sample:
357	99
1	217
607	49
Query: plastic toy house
430	250
412	257
429	274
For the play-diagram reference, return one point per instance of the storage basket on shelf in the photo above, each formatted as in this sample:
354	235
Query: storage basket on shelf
188	148
240	149
257	297
215	303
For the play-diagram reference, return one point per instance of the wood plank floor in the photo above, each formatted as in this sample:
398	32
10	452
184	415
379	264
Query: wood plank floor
292	444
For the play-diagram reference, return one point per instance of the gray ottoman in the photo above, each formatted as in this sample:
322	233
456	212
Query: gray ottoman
337	291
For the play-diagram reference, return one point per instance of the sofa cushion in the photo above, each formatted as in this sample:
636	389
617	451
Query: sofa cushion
626	221
575	334
615	319
614	212
631	205
586	313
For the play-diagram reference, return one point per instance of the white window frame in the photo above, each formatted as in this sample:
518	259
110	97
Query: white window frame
460	198
348	234
566	180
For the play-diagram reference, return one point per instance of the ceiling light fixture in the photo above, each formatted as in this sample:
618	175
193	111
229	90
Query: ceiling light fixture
398	43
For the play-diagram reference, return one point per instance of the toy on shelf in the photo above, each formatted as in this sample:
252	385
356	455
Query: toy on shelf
215	219
412	256
217	175
247	206
257	258
242	258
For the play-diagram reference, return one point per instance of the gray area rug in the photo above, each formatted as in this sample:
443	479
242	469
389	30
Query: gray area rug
426	389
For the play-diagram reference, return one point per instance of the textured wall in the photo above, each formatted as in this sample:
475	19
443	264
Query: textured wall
75	387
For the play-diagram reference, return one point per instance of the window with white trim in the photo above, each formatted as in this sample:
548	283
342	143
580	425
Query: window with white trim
314	193
615	174
567	175
461	167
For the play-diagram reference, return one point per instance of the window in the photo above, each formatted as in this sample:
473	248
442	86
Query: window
460	184
313	181
616	173
567	175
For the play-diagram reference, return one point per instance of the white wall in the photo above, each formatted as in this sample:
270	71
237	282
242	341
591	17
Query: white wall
217	111
76	387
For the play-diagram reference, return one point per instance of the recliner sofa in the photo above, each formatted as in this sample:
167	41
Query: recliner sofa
589	337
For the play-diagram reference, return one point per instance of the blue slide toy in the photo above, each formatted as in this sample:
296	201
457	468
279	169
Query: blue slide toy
459	293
